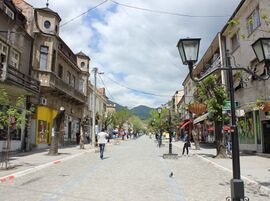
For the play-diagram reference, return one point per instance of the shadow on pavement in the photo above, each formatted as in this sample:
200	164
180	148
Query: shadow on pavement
207	155
265	183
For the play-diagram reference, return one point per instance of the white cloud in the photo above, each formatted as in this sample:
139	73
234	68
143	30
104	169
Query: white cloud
140	45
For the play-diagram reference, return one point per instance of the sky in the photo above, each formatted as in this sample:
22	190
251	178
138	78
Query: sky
134	48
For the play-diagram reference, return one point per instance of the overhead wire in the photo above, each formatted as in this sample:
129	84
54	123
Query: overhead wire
149	38
106	87
136	90
90	9
167	12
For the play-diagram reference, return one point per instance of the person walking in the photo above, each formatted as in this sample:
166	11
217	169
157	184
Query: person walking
186	144
101	137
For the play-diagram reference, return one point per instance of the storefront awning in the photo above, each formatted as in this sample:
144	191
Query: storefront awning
200	118
183	126
225	128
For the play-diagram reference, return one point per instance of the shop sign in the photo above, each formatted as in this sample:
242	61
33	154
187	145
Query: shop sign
228	105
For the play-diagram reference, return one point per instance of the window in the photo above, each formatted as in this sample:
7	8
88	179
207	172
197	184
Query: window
235	41
43	57
60	71
73	81
3	48
81	85
253	21
53	61
14	59
82	64
68	77
47	24
9	12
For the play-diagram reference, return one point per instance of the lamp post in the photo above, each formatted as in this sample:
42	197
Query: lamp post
170	131
188	50
159	110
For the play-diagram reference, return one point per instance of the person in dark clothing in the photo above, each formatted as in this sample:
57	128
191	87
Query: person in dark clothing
186	145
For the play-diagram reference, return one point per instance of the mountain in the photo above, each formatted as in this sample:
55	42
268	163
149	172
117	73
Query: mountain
141	111
118	107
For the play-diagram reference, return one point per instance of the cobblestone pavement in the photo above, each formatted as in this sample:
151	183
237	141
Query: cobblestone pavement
131	171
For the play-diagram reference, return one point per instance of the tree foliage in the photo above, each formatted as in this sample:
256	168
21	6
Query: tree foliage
10	110
121	117
214	95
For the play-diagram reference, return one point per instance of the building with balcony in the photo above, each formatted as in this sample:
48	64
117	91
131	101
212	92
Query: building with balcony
17	73
253	124
63	76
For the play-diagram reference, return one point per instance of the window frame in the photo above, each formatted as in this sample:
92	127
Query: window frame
251	26
43	66
13	61
81	85
60	73
237	45
73	81
69	78
8	12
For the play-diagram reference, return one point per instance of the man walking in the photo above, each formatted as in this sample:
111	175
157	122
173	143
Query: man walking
101	137
186	144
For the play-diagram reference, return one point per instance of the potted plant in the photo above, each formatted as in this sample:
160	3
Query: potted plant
197	108
263	105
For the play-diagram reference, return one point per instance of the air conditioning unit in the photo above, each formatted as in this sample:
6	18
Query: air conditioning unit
43	101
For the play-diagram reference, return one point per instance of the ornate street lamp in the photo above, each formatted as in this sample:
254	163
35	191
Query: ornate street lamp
261	48
189	49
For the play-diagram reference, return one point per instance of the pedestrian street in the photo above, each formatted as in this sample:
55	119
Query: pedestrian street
134	170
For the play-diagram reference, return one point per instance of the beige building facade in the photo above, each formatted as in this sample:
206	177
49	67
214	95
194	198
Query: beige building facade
254	133
63	76
15	63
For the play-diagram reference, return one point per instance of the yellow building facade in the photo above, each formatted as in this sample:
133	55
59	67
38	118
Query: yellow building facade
44	124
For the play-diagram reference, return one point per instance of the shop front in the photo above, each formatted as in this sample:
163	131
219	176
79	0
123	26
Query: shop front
44	123
71	131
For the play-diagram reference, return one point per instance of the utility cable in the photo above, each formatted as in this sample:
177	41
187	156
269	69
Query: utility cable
136	90
106	87
168	13
90	9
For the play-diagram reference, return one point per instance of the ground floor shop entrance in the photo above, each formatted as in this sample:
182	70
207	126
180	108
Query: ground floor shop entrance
266	136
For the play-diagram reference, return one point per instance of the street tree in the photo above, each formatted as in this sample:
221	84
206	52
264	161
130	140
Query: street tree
121	117
214	95
13	115
136	123
161	122
57	123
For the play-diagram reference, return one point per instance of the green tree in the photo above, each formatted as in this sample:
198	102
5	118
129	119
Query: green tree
136	123
161	122
215	97
8	111
121	117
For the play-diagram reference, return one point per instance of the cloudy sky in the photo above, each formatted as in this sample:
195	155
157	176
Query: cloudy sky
135	48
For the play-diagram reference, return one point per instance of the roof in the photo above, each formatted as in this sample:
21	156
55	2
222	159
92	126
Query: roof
81	54
233	15
48	10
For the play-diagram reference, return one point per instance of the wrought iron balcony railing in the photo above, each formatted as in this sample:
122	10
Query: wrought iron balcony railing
22	80
49	79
